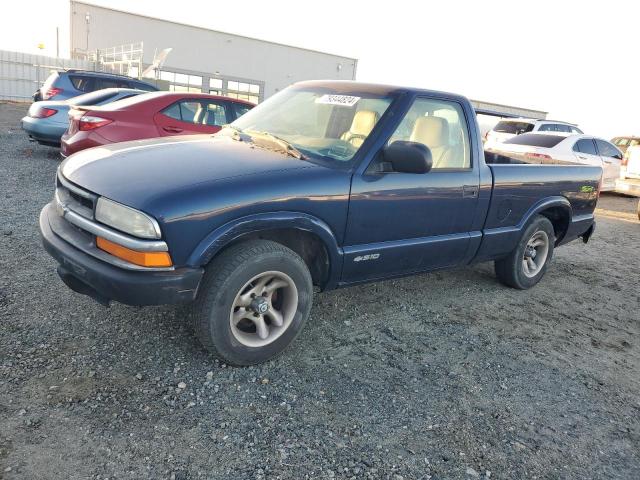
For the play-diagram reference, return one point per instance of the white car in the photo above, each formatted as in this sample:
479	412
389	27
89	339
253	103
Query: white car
631	163
556	149
507	129
629	182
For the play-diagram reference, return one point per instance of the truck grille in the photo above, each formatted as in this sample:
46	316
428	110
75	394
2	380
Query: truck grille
76	224
75	198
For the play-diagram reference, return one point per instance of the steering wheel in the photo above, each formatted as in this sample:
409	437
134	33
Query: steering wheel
356	135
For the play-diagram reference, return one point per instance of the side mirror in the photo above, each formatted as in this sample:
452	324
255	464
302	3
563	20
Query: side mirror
408	157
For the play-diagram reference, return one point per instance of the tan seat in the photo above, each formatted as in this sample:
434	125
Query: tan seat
361	126
434	133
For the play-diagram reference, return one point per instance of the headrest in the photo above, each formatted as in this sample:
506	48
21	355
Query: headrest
363	122
431	131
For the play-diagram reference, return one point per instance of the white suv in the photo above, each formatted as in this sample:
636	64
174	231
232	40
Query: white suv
506	129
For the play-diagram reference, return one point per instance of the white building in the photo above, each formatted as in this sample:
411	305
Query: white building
201	59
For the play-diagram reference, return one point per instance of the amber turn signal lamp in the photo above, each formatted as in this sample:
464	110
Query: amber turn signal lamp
144	259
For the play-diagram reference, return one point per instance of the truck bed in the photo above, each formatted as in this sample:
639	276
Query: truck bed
521	189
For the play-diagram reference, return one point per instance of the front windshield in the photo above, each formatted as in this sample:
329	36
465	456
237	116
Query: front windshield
316	121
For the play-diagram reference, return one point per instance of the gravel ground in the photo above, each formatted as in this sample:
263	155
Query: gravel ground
446	375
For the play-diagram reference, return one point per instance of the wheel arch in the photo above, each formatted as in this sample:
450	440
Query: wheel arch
557	210
308	236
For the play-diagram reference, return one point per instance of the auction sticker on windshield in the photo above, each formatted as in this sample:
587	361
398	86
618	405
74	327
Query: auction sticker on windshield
344	100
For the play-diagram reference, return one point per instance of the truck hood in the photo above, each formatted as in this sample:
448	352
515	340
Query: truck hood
135	172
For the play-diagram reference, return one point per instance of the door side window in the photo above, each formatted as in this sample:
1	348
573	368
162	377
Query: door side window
108	83
241	109
84	84
608	150
215	114
441	126
187	111
585	145
555	127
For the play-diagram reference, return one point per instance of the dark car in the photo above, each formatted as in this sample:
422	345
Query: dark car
158	114
327	183
47	121
65	84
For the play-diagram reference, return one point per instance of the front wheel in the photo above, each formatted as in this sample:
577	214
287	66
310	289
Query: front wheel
253	301
527	263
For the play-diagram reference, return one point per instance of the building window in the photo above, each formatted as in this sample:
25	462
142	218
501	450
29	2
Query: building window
243	91
181	82
183	88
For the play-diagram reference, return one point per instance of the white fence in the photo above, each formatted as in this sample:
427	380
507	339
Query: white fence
21	74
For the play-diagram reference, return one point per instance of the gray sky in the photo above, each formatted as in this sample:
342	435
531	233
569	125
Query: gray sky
577	60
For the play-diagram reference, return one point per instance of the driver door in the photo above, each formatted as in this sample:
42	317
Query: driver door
403	223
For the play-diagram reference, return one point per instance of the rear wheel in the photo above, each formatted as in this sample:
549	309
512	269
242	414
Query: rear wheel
253	301
528	262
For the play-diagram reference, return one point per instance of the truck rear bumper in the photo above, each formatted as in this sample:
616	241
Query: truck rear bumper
587	235
103	282
581	226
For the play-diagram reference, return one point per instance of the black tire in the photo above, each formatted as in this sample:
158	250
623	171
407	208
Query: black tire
511	270
638	210
223	281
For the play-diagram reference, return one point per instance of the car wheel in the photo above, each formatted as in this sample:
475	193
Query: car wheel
528	262
638	209
253	301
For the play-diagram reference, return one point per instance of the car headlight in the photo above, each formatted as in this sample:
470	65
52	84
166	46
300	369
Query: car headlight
126	219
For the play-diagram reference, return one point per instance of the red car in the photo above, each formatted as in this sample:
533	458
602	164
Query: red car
149	115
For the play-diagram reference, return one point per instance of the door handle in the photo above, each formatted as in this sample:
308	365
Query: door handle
608	161
172	129
470	191
582	157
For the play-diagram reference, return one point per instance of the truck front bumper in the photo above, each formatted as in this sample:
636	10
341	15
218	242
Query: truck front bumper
104	282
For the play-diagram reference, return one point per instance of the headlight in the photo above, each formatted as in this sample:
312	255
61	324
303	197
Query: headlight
126	219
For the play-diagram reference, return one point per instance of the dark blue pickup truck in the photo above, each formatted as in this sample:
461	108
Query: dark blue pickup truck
326	183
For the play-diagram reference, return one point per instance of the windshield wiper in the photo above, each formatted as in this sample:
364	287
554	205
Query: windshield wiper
232	127
286	146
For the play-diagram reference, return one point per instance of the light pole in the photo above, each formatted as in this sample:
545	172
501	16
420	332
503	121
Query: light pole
87	19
